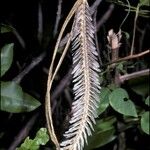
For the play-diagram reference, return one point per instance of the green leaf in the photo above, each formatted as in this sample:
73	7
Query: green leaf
14	100
145	2
147	101
104	100
41	139
145	122
119	100
6	57
104	133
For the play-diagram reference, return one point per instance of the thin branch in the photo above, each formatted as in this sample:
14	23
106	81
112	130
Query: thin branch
63	83
61	59
121	141
17	35
134	30
57	68
40	23
141	39
34	63
95	6
105	16
58	17
96	39
23	132
134	75
19	38
64	41
130	57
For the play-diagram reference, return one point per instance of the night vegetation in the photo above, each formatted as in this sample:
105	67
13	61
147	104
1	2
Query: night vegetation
29	32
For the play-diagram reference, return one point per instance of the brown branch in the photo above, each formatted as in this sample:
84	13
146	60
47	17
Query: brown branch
141	39
123	78
105	16
34	63
121	141
23	133
96	39
64	40
95	6
17	35
58	17
40	23
58	90
130	57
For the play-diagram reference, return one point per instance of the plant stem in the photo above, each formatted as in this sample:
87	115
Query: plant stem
105	16
34	63
23	132
134	75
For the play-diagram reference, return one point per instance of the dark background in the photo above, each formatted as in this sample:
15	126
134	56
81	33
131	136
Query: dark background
23	16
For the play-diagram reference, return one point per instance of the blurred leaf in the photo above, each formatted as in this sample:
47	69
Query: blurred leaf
127	35
14	100
105	123
112	86
29	145
142	12
41	139
147	101
120	67
104	100
120	102
5	28
145	2
140	85
101	138
6	57
145	122
104	133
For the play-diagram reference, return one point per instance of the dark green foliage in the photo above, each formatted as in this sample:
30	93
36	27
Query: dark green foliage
14	100
104	133
124	108
119	100
6	58
145	122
